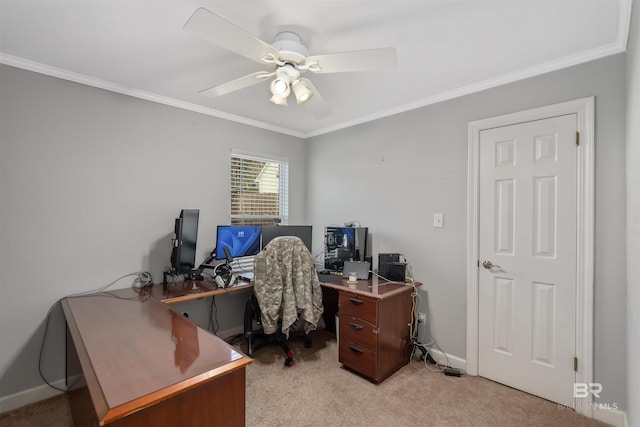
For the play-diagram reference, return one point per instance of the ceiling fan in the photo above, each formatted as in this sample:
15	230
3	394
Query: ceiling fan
286	60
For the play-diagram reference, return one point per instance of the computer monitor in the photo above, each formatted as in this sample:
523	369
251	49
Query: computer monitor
183	253
344	244
304	232
241	240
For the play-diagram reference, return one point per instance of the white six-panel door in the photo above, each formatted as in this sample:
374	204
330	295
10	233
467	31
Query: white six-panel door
527	243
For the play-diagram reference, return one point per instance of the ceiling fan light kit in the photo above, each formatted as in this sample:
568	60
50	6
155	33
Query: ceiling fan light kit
301	91
278	100
287	58
280	85
287	79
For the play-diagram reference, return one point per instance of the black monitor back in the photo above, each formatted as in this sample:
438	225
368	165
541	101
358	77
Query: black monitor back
304	232
183	255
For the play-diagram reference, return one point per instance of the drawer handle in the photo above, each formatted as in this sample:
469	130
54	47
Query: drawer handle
356	301
356	326
355	349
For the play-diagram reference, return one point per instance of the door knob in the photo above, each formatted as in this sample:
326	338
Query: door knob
489	265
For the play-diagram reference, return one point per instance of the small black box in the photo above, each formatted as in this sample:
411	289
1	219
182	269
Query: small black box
388	258
392	267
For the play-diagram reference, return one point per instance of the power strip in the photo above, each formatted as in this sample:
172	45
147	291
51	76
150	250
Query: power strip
452	372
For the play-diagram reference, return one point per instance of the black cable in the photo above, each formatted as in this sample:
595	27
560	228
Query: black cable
217	324
213	316
44	339
141	284
210	325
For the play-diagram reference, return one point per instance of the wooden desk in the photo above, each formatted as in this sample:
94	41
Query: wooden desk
143	364
188	291
374	319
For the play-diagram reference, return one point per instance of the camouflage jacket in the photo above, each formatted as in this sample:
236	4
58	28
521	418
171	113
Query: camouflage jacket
286	285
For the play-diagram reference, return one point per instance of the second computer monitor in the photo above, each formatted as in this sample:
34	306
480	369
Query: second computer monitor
240	240
304	232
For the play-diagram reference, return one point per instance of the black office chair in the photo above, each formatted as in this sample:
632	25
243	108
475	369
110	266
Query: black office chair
286	289
251	315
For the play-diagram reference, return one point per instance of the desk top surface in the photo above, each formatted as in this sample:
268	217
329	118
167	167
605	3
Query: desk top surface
374	287
186	291
138	349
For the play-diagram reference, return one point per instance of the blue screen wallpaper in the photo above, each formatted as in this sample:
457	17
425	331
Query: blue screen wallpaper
242	240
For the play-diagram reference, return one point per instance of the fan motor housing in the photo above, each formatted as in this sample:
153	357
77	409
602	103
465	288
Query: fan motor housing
290	47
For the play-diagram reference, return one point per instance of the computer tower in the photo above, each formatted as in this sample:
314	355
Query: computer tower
344	244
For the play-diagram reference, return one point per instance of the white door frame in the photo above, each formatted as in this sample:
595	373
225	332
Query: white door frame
584	109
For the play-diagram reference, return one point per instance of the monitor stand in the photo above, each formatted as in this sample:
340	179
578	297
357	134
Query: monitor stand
195	275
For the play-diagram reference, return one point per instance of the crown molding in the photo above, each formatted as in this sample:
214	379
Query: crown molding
480	86
618	46
60	73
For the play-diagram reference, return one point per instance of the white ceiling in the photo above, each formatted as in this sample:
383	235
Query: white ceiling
445	49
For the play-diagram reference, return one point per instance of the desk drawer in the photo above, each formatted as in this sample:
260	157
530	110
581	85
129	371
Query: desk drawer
357	358
351	304
358	331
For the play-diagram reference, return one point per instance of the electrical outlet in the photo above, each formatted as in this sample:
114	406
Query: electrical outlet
422	318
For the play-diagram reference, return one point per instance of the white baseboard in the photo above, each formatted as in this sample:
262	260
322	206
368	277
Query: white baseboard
230	332
32	395
614	417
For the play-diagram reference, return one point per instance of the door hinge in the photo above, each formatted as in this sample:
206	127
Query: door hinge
575	364
577	138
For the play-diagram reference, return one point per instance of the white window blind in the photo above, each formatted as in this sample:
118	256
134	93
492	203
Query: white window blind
259	190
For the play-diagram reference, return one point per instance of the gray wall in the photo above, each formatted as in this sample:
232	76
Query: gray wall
393	174
633	217
90	183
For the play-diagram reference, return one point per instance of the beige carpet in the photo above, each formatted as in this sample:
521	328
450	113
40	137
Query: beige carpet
54	412
316	391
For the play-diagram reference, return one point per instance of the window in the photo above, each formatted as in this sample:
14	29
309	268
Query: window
259	190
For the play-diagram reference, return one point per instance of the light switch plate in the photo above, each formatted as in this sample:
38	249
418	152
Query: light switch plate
438	220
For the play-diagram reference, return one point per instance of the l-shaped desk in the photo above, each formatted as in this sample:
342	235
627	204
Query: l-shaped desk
140	363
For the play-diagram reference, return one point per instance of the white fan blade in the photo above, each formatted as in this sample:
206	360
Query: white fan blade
316	105
213	28
237	84
361	60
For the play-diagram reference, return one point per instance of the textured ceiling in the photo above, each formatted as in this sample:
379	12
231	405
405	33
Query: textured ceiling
444	49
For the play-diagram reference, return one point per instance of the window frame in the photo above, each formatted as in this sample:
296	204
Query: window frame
283	190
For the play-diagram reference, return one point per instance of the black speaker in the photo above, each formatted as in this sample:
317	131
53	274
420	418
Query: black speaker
392	267
389	258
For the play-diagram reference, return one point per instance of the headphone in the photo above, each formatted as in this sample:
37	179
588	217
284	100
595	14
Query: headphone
223	274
